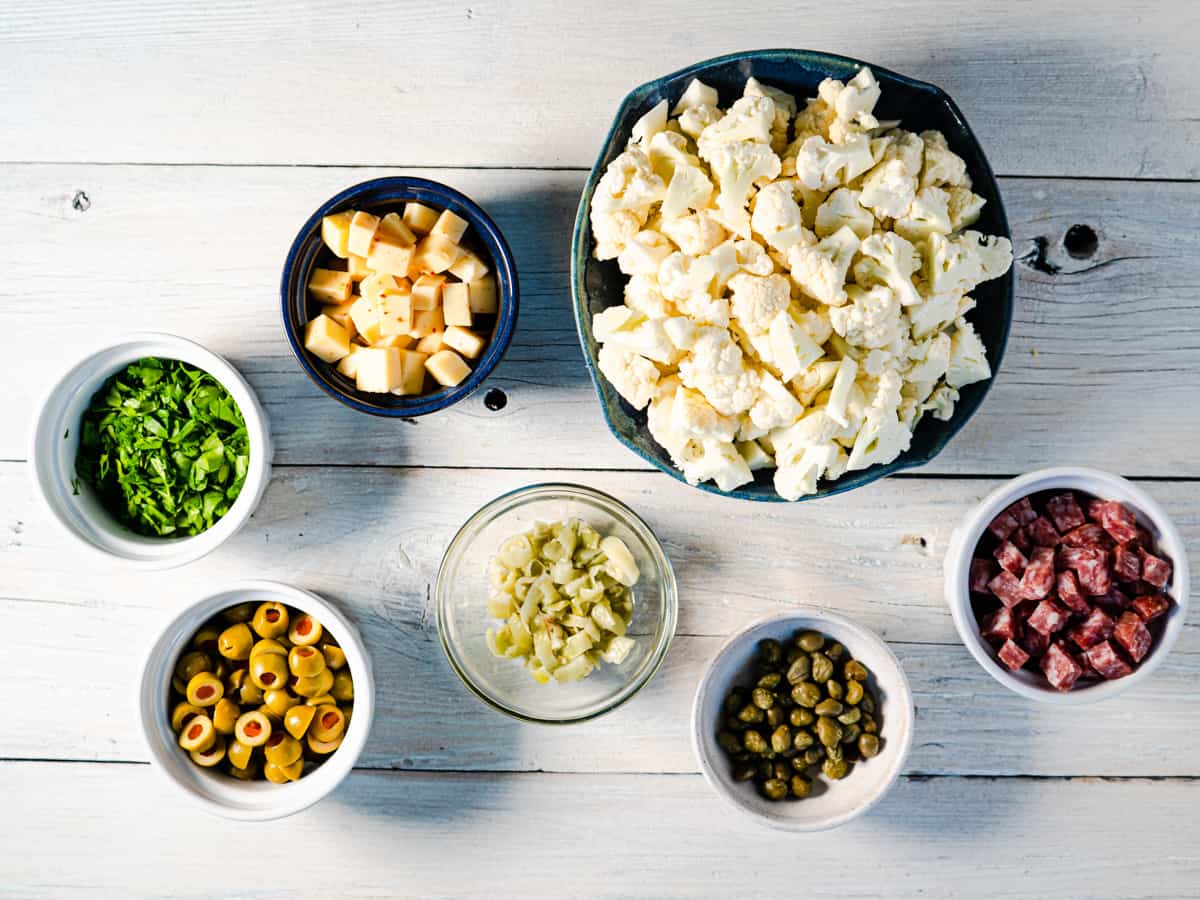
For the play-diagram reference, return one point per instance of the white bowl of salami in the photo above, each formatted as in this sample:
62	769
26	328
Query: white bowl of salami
1068	585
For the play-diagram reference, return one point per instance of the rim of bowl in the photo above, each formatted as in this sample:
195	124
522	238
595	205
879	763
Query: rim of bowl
962	547
734	643
504	266
53	486
152	702
637	524
579	254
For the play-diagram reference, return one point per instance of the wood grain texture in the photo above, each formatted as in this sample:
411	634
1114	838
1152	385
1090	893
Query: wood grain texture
1060	88
1097	343
371	539
389	834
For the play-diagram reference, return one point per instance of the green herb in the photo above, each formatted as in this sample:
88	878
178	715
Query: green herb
165	447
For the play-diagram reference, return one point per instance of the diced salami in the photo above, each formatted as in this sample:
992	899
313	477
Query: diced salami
1150	606
1000	626
1070	594
1095	628
1118	521
1091	566
1155	570
1065	512
1130	632
1042	533
1010	557
1060	669
1003	525
1093	508
1127	565
1013	656
1033	642
1113	600
1021	540
982	571
1048	617
1107	662
1007	587
1039	574
1086	665
1023	511
1089	535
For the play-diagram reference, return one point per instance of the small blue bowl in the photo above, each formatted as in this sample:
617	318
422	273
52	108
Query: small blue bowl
380	196
920	106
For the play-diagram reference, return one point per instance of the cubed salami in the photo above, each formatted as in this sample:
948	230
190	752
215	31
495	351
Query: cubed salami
1010	557
1003	525
1069	592
1033	642
982	571
1093	508
1021	540
1007	587
1048	617
1114	600
1065	512
1012	655
1000	626
1130	632
1155	570
1127	565
1107	662
1039	574
1042	533
1060	669
1095	628
1118	521
1091	567
1089	535
1023	511
1150	606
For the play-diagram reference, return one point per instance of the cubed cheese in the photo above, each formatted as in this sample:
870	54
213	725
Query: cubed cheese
469	267
456	304
402	341
447	368
468	343
395	314
340	313
358	267
412	381
363	226
392	226
436	253
427	291
419	217
427	321
335	232
375	285
450	226
431	343
391	256
379	369
329	286
365	316
483	296
348	365
326	339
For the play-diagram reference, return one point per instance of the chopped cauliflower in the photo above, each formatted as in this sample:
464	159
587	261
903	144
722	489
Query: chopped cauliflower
696	94
785	110
737	166
633	376
668	150
890	259
820	269
650	124
870	319
843	209
942	165
643	296
928	213
778	219
757	300
968	357
644	253
696	234
716	368
888	189
963	207
695	119
689	189
748	120
824	166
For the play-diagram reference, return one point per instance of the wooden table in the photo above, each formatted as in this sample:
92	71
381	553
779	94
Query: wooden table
156	162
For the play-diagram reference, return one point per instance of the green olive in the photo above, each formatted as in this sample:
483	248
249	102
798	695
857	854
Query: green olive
828	731
322	747
828	708
225	715
277	774
806	694
306	661
249	773
279	702
868	745
270	620
328	724
239	754
305	631
249	694
192	664
205	639
313	685
343	687
198	734
835	770
240	613
799	670
335	656
268	645
810	641
205	689
182	712
822	668
282	749
236	641
210	757
781	739
299	718
252	728
269	671
854	692
800	717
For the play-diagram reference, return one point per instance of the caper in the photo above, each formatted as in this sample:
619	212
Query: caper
799	786
735	700
850	733
814	755
802	740
751	713
770	651
810	641
776	716
850	716
800	717
867	703
829	732
775	788
754	741
822	668
868	745
834	689
781	739
762	698
835	651
782	770
806	694
733	723
763	769
743	772
829	708
770	680
799	670
728	741
869	725
854	670
835	769
854	692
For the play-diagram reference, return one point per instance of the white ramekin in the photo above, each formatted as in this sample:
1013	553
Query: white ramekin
56	441
216	792
836	803
957	566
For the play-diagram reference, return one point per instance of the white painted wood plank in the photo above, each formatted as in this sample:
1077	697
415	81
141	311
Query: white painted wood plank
1104	358
1066	88
482	836
371	539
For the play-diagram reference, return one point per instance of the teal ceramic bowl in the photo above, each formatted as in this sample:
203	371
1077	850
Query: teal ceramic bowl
920	106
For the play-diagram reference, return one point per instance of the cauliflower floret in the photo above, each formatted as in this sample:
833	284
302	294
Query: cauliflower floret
643	296
889	259
820	269
901	145
757	300
680	276
755	456
752	258
942	165
816	323
629	183
958	264
792	349
644	253
696	94
882	436
785	110
941	402
775	407
716	369
715	461
798	478
680	331
651	123
705	308
612	231
932	313
870	319
646	338
693	417
814	429
607	321
778	218
689	189
889	189
929	212
668	150
813	120
968	357
696	234
931	361
843	209
824	166
748	120
633	376
695	119
737	166
963	207
854	105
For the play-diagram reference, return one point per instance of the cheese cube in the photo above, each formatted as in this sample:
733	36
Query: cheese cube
330	286
412	379
363	226
348	365
335	232
358	267
450	226
379	369
427	291
392	226
326	339
483	295
366	317
456	304
468	343
395	314
431	343
427	321
447	368
375	285
400	341
340	313
436	253
419	217
469	267
390	255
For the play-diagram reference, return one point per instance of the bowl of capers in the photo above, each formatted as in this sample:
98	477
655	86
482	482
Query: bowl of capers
803	721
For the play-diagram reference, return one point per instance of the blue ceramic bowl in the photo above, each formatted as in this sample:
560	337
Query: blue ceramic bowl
384	195
919	106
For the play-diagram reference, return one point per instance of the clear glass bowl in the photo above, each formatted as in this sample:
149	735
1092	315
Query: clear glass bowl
462	591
